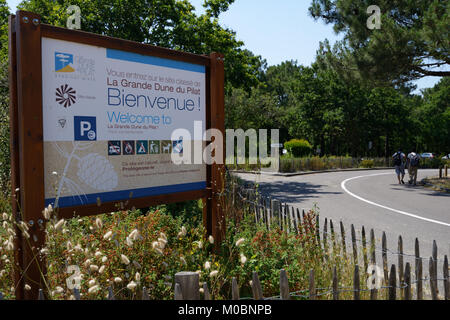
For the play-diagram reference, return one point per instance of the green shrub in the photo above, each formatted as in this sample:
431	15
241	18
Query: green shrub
367	163
298	147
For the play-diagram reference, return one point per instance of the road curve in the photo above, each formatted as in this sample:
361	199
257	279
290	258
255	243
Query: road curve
372	199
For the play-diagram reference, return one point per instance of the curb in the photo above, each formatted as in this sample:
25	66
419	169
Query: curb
302	173
425	183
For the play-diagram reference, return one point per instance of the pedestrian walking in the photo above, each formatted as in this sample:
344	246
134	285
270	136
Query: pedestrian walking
413	160
399	164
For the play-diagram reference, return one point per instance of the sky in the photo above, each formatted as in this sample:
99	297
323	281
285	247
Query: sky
278	30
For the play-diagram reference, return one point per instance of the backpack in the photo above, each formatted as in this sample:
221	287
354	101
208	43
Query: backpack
397	159
414	162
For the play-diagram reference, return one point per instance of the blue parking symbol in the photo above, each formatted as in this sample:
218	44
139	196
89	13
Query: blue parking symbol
85	128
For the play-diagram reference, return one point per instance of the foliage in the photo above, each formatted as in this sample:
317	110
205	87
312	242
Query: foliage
298	147
412	42
166	23
367	163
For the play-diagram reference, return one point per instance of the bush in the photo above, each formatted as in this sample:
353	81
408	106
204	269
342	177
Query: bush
367	163
298	147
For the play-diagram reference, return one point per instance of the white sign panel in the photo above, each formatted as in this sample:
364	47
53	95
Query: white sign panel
108	119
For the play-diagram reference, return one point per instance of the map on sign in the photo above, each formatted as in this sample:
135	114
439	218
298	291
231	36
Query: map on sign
108	116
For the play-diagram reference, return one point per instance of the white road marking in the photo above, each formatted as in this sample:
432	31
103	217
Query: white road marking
384	207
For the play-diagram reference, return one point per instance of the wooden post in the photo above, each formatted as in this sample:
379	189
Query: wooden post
31	155
392	284
418	269
433	281
256	287
335	285
189	285
372	247
446	280
355	248
440	172
206	294
343	238
400	263
356	287
333	237
384	257
284	285
110	293
318	229
145	295
14	147
446	170
234	289
296	220
178	294
325	231
407	291
213	215
434	254
364	243
312	287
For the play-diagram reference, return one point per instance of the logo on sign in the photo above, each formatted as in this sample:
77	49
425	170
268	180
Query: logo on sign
64	62
128	147
62	122
178	146
65	95
114	148
85	128
142	147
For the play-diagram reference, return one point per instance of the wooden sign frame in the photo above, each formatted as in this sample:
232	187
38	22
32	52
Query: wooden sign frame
27	154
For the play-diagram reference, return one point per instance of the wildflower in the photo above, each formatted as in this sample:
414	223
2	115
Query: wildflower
129	241
26	234
91	283
98	254
44	251
104	259
155	244
162	243
201	290
69	245
211	239
132	285
93	267
23	226
124	259
137	276
239	242
17	189
183	232
59	224
5	216
107	235
59	289
134	235
243	259
27	287
117	280
183	260
213	273
78	247
46	214
102	268
200	244
87	263
98	223
10	246
93	289
207	265
163	235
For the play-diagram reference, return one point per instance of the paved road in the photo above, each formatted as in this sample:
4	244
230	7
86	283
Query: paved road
371	198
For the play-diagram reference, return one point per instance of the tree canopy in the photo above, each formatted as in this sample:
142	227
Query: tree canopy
413	41
167	23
